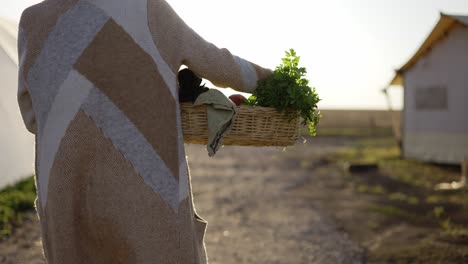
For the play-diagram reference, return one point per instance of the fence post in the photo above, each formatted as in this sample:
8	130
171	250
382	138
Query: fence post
465	168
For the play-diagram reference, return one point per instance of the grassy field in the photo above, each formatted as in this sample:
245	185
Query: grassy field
357	123
358	118
408	186
406	220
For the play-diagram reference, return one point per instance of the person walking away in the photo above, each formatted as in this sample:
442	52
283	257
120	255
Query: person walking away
98	88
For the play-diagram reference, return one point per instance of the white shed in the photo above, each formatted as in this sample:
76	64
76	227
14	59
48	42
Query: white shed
435	83
16	143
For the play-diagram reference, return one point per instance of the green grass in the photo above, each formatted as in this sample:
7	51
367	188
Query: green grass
404	189
392	211
15	201
373	150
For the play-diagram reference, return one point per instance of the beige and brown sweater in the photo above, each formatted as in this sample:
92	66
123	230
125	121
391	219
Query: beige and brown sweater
98	88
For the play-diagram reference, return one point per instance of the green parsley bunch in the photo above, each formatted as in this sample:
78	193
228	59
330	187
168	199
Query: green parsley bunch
287	90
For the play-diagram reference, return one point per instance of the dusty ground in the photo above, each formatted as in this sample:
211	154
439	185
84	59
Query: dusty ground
299	205
255	214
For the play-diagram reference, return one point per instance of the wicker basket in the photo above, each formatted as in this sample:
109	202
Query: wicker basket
254	126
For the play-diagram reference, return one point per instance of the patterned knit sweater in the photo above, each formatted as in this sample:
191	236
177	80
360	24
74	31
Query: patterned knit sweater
98	88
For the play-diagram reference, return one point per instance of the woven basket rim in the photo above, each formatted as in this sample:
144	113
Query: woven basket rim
253	126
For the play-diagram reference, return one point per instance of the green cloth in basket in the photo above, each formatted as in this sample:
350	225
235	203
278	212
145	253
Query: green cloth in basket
221	113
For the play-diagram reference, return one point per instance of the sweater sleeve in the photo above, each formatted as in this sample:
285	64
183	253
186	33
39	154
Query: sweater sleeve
24	98
207	60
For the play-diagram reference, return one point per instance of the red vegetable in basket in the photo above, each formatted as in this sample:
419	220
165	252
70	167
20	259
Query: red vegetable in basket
238	99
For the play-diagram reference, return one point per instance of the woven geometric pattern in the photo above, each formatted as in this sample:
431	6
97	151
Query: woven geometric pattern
98	88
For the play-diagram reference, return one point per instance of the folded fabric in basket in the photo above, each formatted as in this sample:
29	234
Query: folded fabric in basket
221	113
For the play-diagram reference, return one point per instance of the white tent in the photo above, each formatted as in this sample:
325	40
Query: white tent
16	143
435	81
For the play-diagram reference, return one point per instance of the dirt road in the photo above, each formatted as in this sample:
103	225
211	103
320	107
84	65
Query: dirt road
255	214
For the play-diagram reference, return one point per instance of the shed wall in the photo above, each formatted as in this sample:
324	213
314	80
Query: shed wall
436	131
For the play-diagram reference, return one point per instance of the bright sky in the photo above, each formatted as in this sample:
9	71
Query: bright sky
349	47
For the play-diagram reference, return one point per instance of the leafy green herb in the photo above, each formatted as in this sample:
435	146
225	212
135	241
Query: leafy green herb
287	89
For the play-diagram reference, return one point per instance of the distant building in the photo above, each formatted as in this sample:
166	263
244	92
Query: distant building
435	83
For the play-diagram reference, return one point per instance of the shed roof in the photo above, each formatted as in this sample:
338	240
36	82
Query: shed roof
446	24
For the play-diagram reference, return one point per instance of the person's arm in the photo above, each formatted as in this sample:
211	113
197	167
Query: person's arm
205	59
24	98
